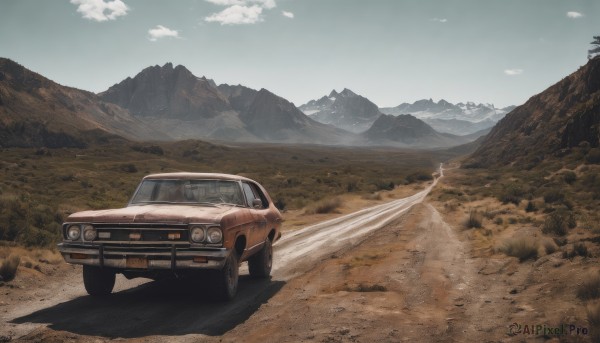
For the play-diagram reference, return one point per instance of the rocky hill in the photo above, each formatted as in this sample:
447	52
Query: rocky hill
345	110
167	92
563	116
407	130
35	111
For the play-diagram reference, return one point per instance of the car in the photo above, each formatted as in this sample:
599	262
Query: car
177	224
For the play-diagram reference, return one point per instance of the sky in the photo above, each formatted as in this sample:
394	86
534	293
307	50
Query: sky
390	51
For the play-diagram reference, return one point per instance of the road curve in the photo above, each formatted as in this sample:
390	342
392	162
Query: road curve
320	240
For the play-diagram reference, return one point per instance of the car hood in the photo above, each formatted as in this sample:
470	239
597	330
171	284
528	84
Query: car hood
176	214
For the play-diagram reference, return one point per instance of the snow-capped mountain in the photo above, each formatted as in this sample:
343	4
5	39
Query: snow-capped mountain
459	119
345	110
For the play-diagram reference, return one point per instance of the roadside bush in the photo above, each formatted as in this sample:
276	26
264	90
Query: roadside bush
8	268
521	248
556	223
589	288
475	219
570	177
512	193
552	196
593	156
324	206
530	207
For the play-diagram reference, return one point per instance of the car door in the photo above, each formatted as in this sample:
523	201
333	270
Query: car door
259	212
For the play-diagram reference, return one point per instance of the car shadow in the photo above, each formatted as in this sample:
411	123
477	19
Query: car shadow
167	307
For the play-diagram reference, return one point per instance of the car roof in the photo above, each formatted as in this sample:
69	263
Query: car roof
196	176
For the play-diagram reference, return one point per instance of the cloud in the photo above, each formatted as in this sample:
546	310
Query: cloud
513	72
288	14
101	10
240	11
237	14
440	20
574	15
161	32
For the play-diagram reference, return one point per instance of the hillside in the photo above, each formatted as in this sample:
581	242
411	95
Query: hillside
563	116
35	111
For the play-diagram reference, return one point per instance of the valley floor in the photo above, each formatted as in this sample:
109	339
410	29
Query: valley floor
423	277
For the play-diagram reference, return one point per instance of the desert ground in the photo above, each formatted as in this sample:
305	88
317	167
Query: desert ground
415	273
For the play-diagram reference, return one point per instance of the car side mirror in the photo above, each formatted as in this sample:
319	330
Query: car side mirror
257	203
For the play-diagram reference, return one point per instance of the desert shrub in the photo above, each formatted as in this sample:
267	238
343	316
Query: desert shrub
593	156
521	248
498	221
8	268
579	249
128	168
589	288
556	223
280	204
560	241
418	176
512	193
324	206
570	177
530	207
475	219
549	246
553	196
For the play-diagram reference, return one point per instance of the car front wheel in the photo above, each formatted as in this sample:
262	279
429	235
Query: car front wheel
227	278
98	281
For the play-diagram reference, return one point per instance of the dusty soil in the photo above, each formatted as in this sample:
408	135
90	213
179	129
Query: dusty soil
421	277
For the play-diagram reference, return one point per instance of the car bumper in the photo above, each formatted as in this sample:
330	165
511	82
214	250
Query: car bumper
144	258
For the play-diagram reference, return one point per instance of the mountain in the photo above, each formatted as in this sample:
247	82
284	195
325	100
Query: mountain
459	119
167	92
345	110
407	130
563	116
173	100
35	111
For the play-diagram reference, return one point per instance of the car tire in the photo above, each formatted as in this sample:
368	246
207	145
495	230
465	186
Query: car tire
98	281
261	263
227	278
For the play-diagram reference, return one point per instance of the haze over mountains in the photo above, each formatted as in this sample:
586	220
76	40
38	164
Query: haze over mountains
170	103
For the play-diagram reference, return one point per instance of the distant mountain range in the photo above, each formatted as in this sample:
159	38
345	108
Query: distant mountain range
459	119
170	103
564	116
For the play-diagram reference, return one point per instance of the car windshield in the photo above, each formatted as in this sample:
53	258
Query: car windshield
189	192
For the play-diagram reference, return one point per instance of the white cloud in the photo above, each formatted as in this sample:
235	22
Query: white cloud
288	14
513	72
268	4
237	14
574	15
440	20
101	10
240	11
161	32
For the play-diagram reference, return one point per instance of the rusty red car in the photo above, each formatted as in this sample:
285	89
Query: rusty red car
198	224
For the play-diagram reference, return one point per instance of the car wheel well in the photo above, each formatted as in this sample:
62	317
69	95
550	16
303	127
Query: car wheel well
272	235
240	245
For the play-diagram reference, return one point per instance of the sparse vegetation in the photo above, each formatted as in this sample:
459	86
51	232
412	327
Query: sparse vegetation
324	206
8	268
521	248
589	288
475	219
556	223
579	249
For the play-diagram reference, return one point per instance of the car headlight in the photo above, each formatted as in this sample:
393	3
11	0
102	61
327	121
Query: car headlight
89	233
197	234
214	235
73	232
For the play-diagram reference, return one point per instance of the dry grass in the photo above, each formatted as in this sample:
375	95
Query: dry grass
475	219
589	288
324	206
8	268
522	248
